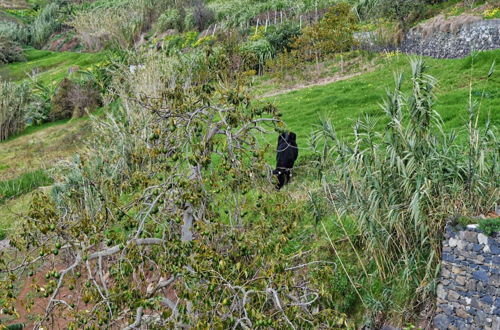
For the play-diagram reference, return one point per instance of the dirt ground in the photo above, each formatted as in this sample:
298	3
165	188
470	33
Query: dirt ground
13	4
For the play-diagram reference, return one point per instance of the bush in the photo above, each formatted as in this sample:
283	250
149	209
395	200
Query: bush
281	37
14	102
405	12
202	16
333	34
170	19
261	49
14	32
74	99
490	226
45	24
285	66
10	51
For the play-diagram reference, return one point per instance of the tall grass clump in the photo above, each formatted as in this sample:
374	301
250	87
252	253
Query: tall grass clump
23	184
10	51
45	24
117	24
14	32
402	184
245	13
14	103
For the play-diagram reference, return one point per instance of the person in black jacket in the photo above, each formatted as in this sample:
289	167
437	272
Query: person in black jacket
286	155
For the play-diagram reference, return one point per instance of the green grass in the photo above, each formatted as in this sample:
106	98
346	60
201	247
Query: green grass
36	128
346	101
488	225
53	66
23	184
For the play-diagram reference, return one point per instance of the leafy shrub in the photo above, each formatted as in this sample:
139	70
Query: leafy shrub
10	51
281	37
74	99
14	102
490	226
200	15
14	32
405	12
39	110
45	24
285	65
261	49
170	19
333	34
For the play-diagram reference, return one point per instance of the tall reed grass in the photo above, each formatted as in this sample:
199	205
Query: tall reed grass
402	184
23	184
14	102
45	24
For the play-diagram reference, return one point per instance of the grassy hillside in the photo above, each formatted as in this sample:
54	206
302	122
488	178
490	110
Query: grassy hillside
51	66
173	180
346	101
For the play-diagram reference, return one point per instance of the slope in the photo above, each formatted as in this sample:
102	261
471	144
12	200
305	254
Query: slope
345	101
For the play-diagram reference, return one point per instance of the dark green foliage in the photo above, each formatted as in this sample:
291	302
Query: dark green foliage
23	184
14	103
10	51
490	226
405	12
74	99
282	36
45	24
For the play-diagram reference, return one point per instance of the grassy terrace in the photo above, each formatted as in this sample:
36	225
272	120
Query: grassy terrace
52	66
345	101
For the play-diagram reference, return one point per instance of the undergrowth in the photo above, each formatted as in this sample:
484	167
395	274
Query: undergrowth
23	184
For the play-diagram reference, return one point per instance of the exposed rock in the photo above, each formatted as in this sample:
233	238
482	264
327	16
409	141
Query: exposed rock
444	38
468	295
441	321
4	244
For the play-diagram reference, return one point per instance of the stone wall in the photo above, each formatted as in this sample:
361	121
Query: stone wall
468	295
480	35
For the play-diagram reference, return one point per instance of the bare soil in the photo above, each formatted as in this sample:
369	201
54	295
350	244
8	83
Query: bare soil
14	4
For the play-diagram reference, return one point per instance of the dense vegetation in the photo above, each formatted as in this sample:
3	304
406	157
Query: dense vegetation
167	216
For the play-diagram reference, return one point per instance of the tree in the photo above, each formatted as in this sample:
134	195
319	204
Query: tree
405	12
148	227
333	34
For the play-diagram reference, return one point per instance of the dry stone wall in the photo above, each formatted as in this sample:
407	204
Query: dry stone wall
468	295
475	36
480	35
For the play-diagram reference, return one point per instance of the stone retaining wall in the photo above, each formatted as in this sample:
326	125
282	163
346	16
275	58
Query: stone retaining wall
468	295
481	35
